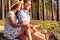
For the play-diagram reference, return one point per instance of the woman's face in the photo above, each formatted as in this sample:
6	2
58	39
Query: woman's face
19	7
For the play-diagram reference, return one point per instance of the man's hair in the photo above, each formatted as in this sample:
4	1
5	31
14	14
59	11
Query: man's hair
26	1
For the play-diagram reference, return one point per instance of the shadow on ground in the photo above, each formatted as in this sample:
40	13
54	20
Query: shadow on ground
2	37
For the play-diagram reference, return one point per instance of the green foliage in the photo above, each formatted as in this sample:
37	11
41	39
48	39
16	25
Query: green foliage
47	1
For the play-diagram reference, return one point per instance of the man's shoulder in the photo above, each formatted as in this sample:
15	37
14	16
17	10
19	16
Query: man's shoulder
21	10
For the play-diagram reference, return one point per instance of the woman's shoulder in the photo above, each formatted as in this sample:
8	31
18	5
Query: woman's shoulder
10	13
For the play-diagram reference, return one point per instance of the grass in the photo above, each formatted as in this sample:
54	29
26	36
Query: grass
51	25
2	22
46	24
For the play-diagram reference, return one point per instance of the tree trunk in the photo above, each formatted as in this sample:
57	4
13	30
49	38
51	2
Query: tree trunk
9	5
43	8
2	9
58	8
39	9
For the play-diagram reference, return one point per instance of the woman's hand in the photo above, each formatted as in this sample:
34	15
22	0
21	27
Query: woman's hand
28	25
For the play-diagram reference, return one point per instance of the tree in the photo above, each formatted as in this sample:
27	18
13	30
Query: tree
2	9
58	10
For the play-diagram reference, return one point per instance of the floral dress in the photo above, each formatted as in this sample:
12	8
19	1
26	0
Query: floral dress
9	31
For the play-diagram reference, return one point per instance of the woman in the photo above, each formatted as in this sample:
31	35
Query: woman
12	28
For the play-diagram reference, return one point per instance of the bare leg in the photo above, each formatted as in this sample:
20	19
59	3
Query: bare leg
23	37
38	36
23	29
28	33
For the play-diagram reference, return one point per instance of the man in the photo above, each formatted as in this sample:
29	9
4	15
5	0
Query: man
24	18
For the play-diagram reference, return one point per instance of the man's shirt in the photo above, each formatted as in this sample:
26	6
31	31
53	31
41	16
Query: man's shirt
23	15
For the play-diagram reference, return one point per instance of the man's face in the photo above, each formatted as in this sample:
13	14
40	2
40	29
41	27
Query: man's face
27	5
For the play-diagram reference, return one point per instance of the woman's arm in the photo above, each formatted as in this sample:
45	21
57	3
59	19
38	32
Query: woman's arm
24	22
11	19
